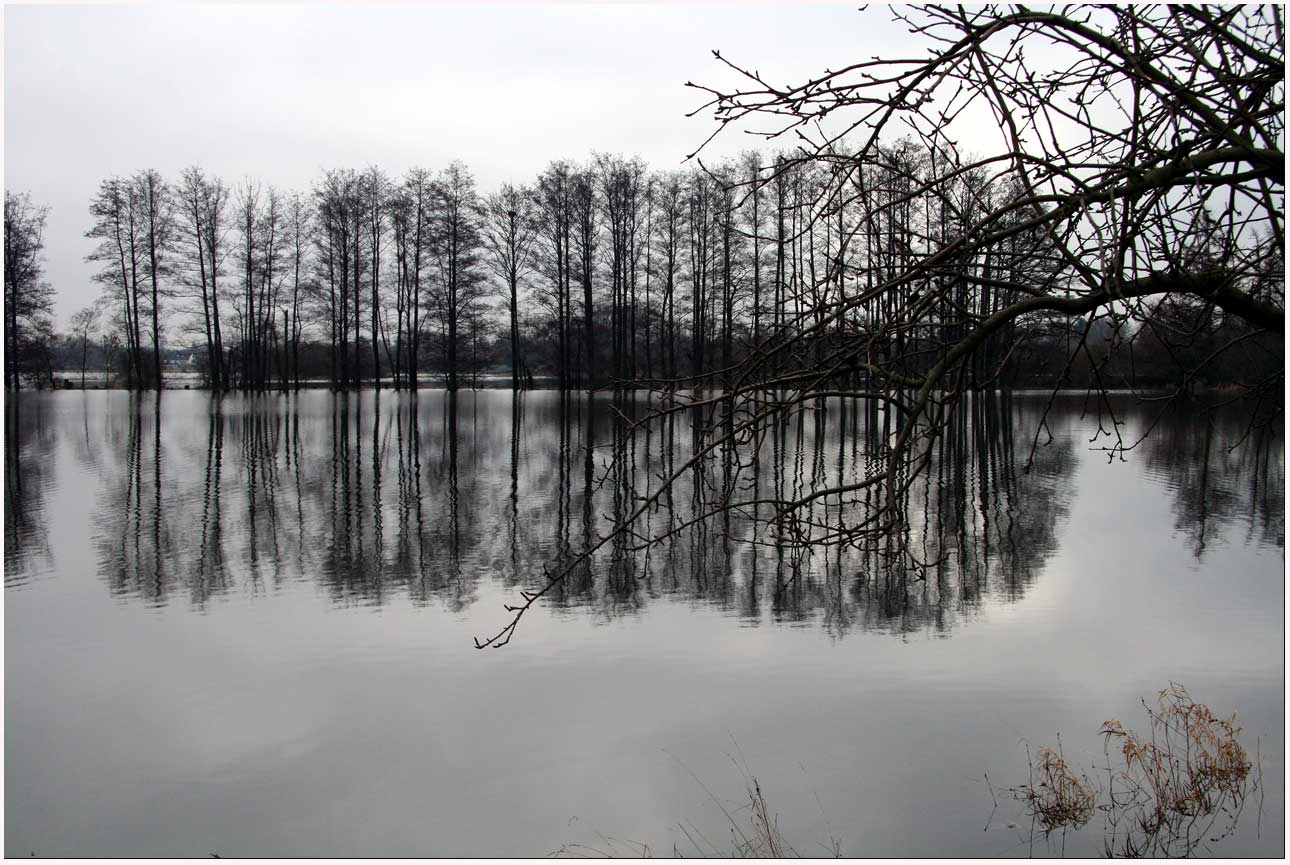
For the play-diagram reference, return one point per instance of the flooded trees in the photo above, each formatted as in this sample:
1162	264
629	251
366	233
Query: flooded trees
28	299
944	224
1124	141
1033	176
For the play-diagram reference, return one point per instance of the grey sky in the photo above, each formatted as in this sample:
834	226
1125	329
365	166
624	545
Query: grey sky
279	92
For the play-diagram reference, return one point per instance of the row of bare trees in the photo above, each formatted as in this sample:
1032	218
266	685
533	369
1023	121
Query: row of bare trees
596	275
858	258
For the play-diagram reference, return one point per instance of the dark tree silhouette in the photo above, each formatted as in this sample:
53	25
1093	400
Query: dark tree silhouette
156	224
28	299
202	210
510	235
457	244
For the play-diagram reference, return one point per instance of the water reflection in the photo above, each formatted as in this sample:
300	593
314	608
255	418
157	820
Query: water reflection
426	497
29	442
1222	471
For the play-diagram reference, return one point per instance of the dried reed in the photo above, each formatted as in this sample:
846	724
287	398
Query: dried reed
1177	781
1055	796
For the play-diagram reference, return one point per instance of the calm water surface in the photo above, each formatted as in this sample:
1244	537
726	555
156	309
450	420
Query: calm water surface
246	626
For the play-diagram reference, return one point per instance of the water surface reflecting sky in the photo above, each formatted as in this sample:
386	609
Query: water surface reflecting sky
244	626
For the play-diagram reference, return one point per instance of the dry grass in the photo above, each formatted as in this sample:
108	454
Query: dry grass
1170	791
763	840
753	826
1183	782
758	838
1056	797
609	848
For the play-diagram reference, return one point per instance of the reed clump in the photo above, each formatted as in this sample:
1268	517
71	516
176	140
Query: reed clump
1170	790
1056	796
1180	784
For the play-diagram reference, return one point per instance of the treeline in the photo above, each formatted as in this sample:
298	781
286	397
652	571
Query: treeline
592	275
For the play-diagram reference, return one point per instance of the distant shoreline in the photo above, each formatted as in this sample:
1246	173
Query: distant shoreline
548	383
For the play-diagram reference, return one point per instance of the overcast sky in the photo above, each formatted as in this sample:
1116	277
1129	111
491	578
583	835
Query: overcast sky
279	92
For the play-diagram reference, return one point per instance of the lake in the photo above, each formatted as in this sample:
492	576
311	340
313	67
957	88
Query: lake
245	626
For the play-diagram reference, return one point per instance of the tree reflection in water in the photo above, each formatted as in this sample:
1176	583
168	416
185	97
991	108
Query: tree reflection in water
379	496
30	438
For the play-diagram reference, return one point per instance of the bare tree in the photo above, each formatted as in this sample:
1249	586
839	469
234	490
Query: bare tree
201	203
28	299
339	267
298	228
700	221
418	193
622	184
586	231
457	244
510	234
669	233
554	196
84	322
376	193
157	224
121	249
753	212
